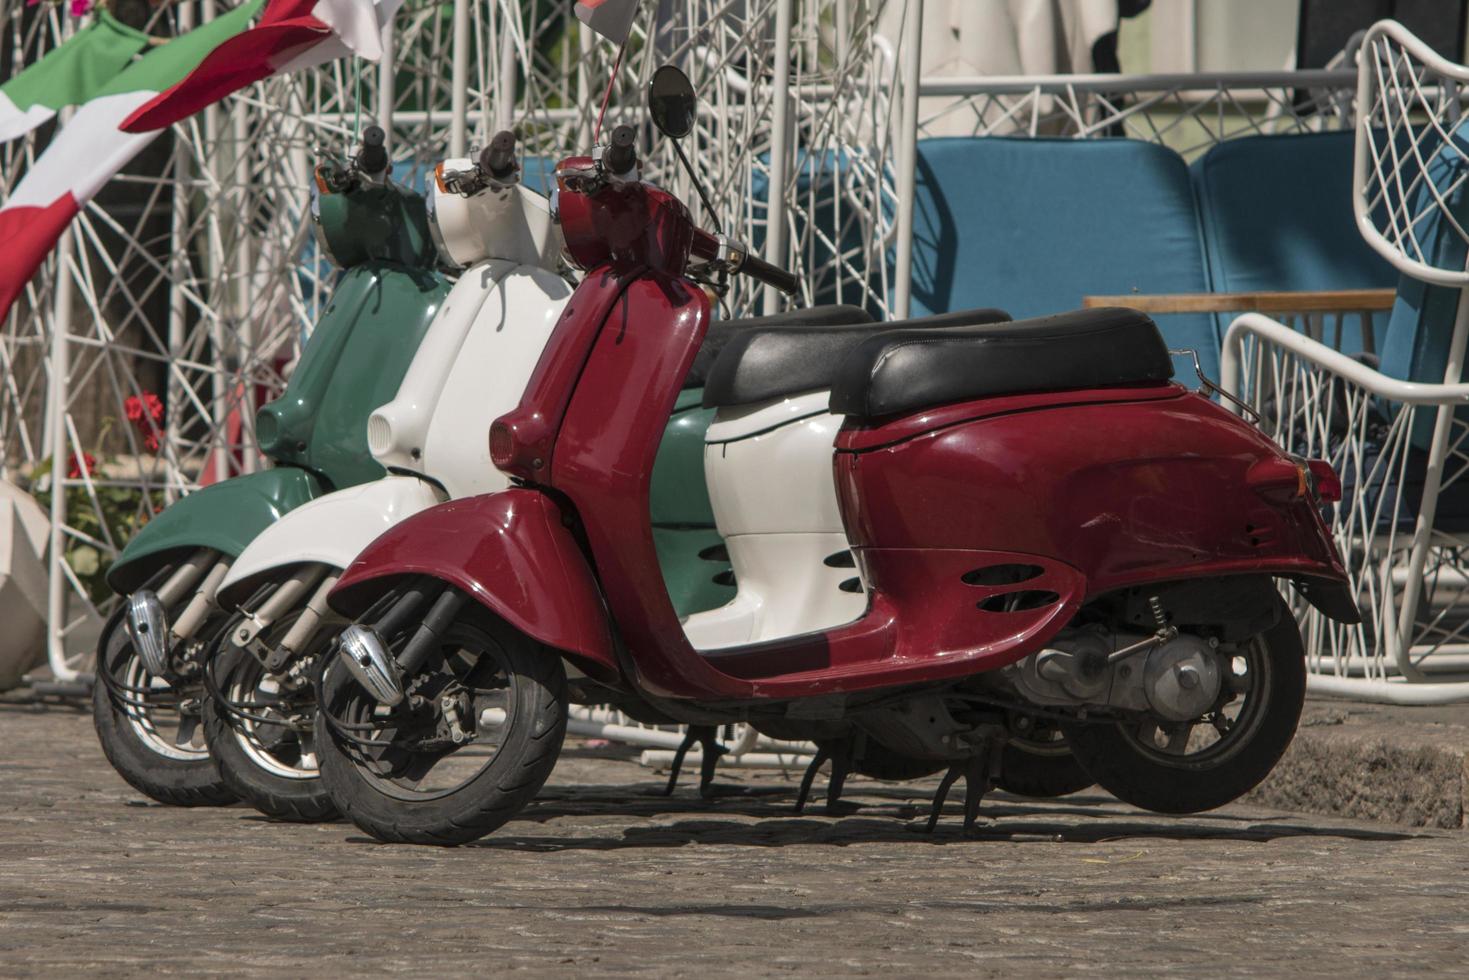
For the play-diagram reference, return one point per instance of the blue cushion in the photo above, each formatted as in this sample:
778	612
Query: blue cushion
1033	225
1277	216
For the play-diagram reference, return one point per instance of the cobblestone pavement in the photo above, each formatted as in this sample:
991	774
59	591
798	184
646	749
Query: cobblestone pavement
601	877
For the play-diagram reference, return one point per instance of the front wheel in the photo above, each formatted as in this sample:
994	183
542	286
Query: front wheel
261	733
1193	766
149	727
474	741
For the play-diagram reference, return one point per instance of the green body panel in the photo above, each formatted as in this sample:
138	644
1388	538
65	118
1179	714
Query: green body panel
384	222
691	553
224	516
354	362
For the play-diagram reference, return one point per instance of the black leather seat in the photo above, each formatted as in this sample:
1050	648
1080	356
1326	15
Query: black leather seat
907	369
722	331
757	365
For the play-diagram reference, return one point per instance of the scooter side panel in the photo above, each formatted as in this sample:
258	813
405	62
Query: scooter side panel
511	552
331	530
1125	492
224	516
487	378
398	429
695	567
355	361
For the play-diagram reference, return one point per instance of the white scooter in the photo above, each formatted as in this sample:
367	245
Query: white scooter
471	367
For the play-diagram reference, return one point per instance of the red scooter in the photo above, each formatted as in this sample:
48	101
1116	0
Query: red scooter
1045	525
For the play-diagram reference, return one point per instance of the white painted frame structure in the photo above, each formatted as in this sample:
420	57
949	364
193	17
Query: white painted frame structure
1411	582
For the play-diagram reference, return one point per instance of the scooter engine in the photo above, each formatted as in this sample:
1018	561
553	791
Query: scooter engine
1177	679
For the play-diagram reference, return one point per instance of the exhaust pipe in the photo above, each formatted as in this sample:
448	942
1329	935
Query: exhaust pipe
148	628
367	657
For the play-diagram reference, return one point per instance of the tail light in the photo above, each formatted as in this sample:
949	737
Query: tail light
1324	481
502	445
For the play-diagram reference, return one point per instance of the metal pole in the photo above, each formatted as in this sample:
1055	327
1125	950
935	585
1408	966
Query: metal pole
775	212
908	157
505	82
459	82
387	87
56	420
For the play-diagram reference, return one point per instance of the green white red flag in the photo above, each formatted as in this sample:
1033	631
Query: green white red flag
291	35
91	148
70	74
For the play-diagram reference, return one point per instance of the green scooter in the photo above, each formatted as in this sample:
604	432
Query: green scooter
147	701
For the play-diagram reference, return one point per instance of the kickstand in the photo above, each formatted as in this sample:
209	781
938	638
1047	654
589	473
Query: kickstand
840	756
977	774
707	738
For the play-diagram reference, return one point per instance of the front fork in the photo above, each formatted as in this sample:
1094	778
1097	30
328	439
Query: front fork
365	649
154	639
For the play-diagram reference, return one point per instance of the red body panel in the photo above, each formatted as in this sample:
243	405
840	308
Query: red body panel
1126	492
510	552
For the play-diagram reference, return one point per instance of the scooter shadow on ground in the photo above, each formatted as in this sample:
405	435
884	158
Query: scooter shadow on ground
886	814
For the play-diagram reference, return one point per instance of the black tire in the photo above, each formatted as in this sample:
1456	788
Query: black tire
1118	761
527	752
1025	772
880	762
120	728
293	798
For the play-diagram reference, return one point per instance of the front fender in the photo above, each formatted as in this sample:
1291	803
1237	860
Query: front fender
224	516
510	552
331	530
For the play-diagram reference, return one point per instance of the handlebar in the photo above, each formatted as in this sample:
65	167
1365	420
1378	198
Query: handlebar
771	275
622	153
372	159
498	159
736	258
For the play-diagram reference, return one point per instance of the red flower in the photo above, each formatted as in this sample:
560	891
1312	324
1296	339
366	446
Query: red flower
77	466
146	415
79	7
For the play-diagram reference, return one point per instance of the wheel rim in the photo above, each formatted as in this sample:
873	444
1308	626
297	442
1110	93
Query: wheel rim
155	717
277	735
387	753
1220	733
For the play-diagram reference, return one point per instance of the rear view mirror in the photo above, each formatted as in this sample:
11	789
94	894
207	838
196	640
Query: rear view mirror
671	102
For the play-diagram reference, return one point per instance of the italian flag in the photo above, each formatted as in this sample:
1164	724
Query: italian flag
91	148
292	34
69	75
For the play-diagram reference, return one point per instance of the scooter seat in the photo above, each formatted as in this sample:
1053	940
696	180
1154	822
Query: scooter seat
721	332
903	370
773	361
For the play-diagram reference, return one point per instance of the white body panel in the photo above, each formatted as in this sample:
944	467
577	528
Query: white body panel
501	222
769	471
333	530
471	368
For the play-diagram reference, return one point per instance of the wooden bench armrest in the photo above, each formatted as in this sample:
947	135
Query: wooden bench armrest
1323	301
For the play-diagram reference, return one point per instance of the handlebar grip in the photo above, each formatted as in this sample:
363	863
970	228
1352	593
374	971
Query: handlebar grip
498	159
622	152
771	275
373	157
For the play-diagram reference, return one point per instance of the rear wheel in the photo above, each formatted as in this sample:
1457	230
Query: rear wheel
1041	765
149	728
402	777
261	733
1205	763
